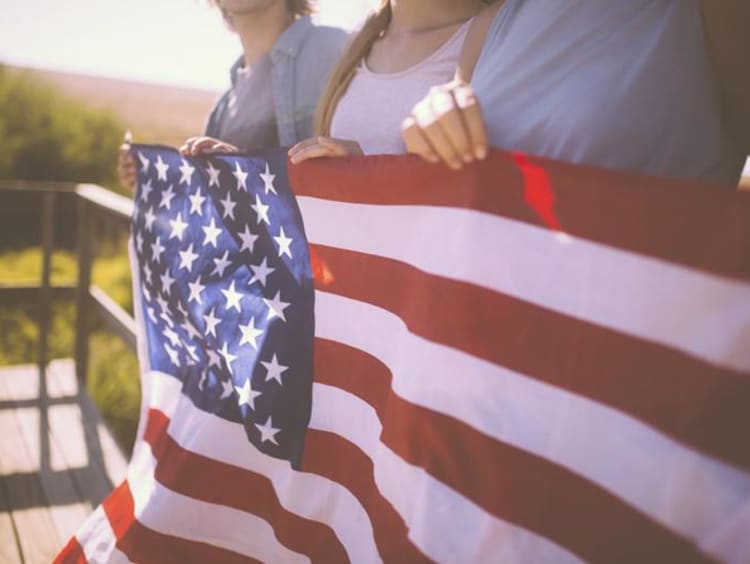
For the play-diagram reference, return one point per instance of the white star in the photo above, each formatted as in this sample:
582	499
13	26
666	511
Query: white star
178	227
187	172
174	356
213	358
196	202
228	388
190	329
261	210
250	334
166	281
163	304
187	257
144	162
211	322
274	370
150	217
241	176
139	242
192	358
146	293
166	198
147	272
260	272
228	205
156	250
202	381
267	178
248	239
233	298
173	337
146	189
284	243
212	233
246	394
221	264
276	307
181	309
267	431
161	168
213	175
195	290
167	318
152	315
229	358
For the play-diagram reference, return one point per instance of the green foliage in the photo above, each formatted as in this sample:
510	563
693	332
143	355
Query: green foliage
47	136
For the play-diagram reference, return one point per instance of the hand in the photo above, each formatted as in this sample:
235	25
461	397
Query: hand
126	172
447	126
206	145
323	147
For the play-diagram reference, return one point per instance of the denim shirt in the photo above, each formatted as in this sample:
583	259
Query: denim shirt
302	59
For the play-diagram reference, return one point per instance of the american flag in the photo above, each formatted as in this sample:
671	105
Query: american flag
524	361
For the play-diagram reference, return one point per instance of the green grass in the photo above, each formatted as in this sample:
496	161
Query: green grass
113	381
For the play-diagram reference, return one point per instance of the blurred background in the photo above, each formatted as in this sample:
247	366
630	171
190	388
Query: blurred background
73	76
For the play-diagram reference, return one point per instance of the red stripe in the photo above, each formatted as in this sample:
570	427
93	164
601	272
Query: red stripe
699	404
196	476
691	223
330	456
141	544
507	482
72	553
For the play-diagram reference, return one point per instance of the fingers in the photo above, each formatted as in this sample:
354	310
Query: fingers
471	113
416	142
447	126
429	122
317	147
126	171
195	146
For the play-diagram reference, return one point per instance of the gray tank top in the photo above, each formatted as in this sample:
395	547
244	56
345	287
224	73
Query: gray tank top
613	83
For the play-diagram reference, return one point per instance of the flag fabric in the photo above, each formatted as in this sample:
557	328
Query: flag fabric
523	361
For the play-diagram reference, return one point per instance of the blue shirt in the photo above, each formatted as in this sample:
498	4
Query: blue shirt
302	59
618	84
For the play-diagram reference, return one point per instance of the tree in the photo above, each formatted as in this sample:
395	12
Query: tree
48	136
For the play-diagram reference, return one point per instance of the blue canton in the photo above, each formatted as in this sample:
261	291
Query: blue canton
226	291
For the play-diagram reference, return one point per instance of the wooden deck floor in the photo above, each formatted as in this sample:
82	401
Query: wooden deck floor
57	460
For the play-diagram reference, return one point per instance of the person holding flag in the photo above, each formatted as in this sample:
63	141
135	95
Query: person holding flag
276	82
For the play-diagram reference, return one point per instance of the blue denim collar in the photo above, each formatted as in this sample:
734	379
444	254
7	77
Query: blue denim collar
287	45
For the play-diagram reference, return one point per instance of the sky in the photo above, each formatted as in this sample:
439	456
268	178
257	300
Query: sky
176	42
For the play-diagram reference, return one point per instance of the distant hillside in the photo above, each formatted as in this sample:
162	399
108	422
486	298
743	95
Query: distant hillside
154	113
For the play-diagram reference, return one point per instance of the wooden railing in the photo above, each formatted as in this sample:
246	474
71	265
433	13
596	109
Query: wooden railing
93	204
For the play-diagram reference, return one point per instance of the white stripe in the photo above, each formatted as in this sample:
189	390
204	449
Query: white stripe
98	541
443	524
307	495
692	311
168	512
676	485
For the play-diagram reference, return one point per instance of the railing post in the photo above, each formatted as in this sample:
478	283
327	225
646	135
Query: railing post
45	292
85	256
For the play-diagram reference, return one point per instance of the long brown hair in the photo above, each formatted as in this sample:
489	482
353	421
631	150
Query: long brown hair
344	71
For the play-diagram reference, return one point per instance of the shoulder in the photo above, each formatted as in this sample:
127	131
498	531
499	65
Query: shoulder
325	36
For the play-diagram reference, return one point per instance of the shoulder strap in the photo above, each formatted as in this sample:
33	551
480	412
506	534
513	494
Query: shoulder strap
475	40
